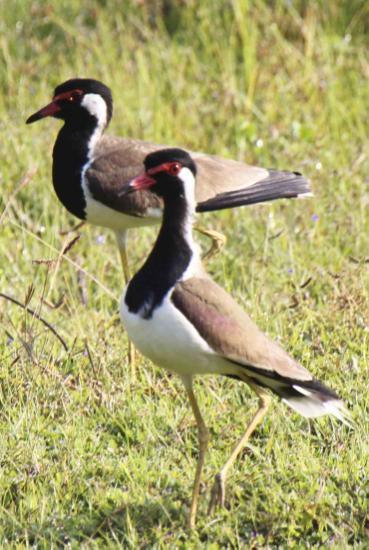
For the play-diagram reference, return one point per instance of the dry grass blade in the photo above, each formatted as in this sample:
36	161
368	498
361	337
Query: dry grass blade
36	316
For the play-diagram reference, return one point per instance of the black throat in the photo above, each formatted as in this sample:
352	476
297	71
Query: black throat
165	265
70	154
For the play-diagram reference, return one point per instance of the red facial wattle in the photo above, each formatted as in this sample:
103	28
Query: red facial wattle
172	168
54	107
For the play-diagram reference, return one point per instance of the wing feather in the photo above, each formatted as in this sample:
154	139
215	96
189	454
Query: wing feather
221	183
232	334
230	331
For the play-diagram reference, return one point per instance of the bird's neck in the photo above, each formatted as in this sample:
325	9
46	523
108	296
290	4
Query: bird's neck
73	151
174	257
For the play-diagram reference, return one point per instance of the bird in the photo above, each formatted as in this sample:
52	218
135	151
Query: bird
90	167
183	321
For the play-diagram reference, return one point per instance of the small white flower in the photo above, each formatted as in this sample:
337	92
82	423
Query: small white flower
100	239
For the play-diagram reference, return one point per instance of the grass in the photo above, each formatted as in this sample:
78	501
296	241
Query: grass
92	456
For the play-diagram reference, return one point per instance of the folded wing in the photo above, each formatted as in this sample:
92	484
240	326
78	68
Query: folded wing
221	183
233	335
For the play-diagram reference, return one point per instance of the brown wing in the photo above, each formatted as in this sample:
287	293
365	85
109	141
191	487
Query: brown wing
230	331
221	183
217	175
117	162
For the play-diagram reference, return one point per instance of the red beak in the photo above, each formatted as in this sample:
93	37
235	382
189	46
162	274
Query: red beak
49	110
139	183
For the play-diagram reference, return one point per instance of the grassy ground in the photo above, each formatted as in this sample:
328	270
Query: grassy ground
92	456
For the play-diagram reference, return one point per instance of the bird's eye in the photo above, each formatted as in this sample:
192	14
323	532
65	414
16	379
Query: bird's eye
75	95
174	168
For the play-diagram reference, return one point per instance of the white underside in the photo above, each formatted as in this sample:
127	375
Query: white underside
171	341
99	214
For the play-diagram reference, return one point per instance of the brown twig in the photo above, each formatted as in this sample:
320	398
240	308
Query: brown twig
359	260
276	235
58	304
68	246
65	232
306	283
43	261
37	316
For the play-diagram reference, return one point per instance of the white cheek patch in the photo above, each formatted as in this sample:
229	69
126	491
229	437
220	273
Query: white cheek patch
188	179
96	106
194	267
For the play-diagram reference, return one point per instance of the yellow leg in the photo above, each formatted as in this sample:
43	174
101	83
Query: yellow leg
217	496
218	241
122	245
203	437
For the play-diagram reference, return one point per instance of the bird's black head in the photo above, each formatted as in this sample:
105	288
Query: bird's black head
77	100
169	173
164	162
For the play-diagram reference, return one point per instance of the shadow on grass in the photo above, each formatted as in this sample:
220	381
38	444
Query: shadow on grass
126	524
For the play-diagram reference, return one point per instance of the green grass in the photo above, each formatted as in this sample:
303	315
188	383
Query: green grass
91	456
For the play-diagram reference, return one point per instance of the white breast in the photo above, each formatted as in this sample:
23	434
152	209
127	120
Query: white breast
171	341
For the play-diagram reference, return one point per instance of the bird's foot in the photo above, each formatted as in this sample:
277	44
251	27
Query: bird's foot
218	242
217	495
